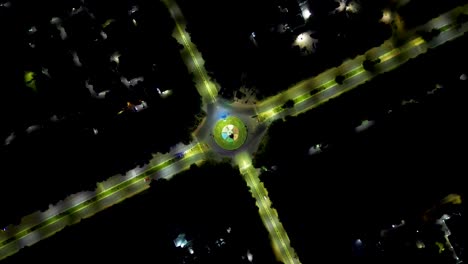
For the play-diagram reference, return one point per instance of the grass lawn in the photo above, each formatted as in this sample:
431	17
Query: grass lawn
223	130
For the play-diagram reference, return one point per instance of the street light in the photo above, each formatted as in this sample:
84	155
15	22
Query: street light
306	13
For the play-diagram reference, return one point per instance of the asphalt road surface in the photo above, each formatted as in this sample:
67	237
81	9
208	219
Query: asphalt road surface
40	225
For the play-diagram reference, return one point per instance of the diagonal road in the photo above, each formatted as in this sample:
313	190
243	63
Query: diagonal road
306	95
314	91
191	55
208	92
41	225
279	237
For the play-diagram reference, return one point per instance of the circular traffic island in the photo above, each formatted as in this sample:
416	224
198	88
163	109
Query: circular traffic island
230	133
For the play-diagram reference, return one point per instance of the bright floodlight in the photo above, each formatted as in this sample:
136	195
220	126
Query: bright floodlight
306	42
306	13
180	241
386	17
300	38
166	93
342	5
249	256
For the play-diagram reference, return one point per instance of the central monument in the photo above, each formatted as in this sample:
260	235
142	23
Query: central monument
230	133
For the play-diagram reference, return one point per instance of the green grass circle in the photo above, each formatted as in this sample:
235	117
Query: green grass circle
225	144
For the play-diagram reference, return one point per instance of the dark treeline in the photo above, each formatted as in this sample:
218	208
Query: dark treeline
202	203
74	139
418	12
362	182
274	64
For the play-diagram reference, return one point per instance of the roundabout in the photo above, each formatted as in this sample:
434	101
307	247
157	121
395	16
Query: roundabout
230	133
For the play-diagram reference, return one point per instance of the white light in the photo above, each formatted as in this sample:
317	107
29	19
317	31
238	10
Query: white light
134	22
314	149
306	13
351	8
463	77
386	17
10	138
306	43
180	241
253	34
166	93
45	71
136	80
249	256
342	5
76	59
33	29
133	10
103	35
75	11
55	20
420	244
445	217
7	4
32	128
191	251
115	57
54	118
300	38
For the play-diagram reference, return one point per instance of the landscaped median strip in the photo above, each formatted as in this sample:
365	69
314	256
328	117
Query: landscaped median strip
195	55
270	113
279	238
74	209
198	148
314	91
354	72
445	28
389	55
274	111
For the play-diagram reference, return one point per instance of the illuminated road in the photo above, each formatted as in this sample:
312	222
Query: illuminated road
40	225
279	237
215	111
324	87
191	55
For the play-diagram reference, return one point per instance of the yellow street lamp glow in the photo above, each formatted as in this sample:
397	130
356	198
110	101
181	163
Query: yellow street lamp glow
386	17
389	55
417	41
